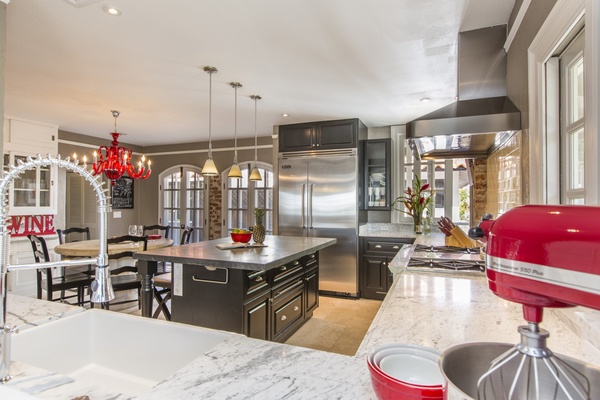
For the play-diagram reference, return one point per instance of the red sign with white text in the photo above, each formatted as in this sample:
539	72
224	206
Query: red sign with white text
23	225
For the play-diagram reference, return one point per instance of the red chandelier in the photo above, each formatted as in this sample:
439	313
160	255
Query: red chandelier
115	160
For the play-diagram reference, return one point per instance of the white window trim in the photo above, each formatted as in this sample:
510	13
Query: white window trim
559	23
169	171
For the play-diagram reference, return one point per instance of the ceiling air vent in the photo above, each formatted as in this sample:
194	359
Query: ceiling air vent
81	3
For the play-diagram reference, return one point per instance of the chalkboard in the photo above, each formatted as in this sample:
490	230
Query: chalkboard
122	193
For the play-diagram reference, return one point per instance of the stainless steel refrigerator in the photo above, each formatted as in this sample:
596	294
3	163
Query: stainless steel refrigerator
318	196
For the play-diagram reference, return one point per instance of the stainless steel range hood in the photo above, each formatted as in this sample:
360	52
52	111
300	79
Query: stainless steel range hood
483	117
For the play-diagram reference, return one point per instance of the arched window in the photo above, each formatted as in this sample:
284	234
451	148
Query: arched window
241	197
182	201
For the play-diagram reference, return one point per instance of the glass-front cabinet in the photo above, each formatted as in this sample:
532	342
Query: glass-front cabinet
32	192
376	154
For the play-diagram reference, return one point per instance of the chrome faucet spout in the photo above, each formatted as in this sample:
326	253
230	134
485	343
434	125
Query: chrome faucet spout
102	290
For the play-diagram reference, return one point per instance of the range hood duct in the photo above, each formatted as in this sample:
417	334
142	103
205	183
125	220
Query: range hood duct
483	118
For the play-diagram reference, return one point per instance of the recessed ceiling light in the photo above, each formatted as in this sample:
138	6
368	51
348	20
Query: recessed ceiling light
425	100
284	115
112	10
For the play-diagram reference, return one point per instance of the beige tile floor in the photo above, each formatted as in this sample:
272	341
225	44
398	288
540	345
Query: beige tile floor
338	325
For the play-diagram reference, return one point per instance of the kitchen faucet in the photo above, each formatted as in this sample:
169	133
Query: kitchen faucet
102	290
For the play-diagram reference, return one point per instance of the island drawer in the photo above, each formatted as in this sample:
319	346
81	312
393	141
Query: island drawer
311	260
281	275
287	310
256	282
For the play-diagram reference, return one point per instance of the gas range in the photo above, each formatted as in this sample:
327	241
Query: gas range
446	259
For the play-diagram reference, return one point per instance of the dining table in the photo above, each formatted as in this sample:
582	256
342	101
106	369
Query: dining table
90	248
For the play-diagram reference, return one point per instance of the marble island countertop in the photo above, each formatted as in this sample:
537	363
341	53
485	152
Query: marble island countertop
431	309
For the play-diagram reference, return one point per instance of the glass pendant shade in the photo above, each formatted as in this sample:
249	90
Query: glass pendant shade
255	175
235	172
210	169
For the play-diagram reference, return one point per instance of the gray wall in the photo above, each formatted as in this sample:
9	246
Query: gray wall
2	57
517	73
145	209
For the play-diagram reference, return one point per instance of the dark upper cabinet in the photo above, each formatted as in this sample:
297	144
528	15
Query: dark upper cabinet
376	174
324	135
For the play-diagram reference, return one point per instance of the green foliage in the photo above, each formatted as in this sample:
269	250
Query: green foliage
415	199
464	206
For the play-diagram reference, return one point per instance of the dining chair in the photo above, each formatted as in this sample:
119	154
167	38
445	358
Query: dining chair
125	275
67	282
164	282
161	229
74	234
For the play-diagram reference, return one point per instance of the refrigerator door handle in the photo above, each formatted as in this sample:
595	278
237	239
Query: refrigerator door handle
310	205
303	205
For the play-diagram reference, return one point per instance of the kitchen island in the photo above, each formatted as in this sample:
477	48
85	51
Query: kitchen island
430	309
264	292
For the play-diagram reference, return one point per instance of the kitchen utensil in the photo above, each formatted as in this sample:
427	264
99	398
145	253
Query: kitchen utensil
542	256
481	231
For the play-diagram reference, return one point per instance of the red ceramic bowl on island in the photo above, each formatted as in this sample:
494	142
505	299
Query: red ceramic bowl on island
241	237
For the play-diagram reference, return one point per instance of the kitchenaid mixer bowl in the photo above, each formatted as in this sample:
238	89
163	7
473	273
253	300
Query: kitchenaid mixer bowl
463	365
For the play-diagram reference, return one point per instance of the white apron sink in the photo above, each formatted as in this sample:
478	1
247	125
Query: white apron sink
123	353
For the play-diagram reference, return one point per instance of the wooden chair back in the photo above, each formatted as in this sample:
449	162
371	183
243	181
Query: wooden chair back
82	234
163	230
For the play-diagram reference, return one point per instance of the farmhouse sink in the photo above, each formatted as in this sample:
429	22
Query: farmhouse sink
118	352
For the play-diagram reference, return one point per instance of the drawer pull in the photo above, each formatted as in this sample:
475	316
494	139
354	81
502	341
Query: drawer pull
283	317
296	263
396	247
258	279
377	246
284	268
311	255
296	308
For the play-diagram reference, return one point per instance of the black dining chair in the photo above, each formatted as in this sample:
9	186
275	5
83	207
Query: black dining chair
125	276
163	283
67	282
162	230
74	234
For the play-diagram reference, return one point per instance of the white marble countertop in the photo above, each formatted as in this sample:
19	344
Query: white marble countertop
431	309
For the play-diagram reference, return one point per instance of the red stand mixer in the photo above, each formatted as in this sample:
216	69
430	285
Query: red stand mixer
541	256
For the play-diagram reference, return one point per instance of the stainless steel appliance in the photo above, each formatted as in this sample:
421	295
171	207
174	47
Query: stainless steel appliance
539	256
318	196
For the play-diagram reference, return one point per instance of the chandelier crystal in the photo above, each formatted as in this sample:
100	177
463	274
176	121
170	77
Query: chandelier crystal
115	161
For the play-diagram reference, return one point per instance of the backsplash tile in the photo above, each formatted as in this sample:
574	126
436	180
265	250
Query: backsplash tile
504	177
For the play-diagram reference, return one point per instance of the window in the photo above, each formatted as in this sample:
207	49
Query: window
572	108
241	197
183	195
451	185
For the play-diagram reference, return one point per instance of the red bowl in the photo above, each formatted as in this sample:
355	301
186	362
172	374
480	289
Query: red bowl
388	388
241	237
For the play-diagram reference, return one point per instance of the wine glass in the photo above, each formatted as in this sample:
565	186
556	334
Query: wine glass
140	230
132	231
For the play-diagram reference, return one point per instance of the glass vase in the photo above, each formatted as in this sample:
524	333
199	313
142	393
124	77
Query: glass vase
418	227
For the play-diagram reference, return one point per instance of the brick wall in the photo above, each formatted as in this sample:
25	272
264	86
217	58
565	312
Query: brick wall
214	208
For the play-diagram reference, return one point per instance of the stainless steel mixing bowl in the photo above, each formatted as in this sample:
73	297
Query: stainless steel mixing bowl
464	364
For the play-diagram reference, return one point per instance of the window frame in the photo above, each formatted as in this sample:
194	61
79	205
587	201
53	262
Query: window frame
251	188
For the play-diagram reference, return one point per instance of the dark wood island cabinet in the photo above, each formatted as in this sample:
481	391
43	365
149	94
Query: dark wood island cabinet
262	292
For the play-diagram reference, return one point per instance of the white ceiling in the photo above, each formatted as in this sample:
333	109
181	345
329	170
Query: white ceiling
69	63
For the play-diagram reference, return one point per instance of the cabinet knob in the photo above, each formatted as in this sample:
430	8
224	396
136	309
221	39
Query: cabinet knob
377	246
296	263
283	317
258	279
396	247
284	268
296	308
384	263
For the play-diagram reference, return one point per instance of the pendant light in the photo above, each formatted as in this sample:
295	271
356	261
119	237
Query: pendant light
234	171
210	169
255	175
